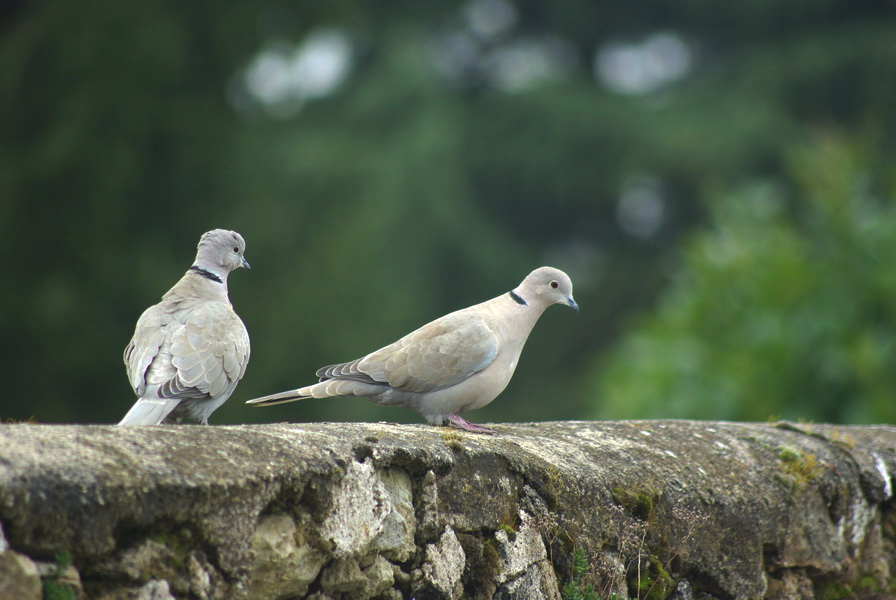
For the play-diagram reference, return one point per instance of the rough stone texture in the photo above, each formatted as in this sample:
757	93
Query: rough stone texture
443	567
19	577
155	590
524	562
652	509
283	563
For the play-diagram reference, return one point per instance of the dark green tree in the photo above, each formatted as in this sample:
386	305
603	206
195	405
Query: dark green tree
464	146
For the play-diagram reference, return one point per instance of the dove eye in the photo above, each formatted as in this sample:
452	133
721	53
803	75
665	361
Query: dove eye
236	250
554	284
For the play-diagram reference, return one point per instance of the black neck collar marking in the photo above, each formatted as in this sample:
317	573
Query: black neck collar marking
206	274
518	299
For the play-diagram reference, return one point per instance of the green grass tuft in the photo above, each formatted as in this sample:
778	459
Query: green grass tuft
52	588
576	589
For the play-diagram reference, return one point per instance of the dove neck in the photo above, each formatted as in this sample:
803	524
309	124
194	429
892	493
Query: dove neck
527	313
528	310
207	274
517	298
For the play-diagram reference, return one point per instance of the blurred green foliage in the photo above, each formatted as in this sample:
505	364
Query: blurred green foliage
784	304
435	175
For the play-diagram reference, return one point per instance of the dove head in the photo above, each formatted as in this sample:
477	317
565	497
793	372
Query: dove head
221	251
545	286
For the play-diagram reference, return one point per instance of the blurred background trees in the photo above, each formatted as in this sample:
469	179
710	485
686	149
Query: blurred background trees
716	178
784	305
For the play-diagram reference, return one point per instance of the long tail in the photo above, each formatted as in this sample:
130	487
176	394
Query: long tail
150	411
281	398
329	388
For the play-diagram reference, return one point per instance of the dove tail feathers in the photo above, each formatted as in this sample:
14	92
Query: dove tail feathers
149	412
281	398
329	388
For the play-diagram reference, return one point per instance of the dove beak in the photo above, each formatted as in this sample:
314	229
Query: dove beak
572	303
245	263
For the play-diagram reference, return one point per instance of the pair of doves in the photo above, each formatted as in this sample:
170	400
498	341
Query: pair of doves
190	350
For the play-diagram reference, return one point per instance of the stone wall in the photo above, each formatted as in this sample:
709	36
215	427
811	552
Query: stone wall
649	509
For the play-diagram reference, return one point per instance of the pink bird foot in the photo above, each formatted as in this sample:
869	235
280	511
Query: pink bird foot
461	423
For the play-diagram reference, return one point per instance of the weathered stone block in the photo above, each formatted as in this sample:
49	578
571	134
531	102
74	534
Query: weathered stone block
666	509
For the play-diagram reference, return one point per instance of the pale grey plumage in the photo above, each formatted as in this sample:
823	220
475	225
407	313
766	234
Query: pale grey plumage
457	363
190	350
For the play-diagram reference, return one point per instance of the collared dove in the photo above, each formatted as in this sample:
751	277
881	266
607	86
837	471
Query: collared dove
190	350
457	363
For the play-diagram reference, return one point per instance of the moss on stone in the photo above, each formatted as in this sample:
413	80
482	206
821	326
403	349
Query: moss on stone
452	438
638	501
802	467
553	487
178	544
483	563
833	590
867	583
510	531
651	582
